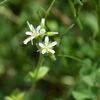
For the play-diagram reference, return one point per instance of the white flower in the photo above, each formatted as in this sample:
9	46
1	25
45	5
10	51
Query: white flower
46	47
33	33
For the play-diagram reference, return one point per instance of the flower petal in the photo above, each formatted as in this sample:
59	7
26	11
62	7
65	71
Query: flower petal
38	28
43	21
28	33
27	40
31	27
41	45
46	40
43	51
32	37
51	51
42	31
53	44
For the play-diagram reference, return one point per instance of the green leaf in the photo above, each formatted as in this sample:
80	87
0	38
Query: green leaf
80	95
90	20
71	57
88	80
39	73
86	67
8	98
18	96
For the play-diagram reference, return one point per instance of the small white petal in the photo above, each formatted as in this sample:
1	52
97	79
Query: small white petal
27	40
41	45
31	27
52	51
46	40
43	21
52	44
38	28
43	51
28	33
32	37
42	31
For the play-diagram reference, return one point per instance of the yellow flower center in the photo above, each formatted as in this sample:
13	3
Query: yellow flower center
35	34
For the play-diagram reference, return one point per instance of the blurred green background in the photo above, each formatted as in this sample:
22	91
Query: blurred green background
75	75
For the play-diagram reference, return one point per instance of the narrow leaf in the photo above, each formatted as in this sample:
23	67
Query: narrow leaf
72	57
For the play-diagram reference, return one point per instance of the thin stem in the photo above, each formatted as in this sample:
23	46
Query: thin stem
50	7
32	89
66	31
3	2
98	17
72	8
76	13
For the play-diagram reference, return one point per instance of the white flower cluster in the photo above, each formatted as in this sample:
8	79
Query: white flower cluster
46	46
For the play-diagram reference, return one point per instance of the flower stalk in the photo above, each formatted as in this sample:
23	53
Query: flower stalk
39	64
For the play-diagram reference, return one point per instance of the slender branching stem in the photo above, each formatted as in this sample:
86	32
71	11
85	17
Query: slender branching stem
32	89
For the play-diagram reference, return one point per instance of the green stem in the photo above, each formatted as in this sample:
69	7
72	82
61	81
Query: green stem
66	31
3	2
32	89
72	8
98	17
50	7
76	13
